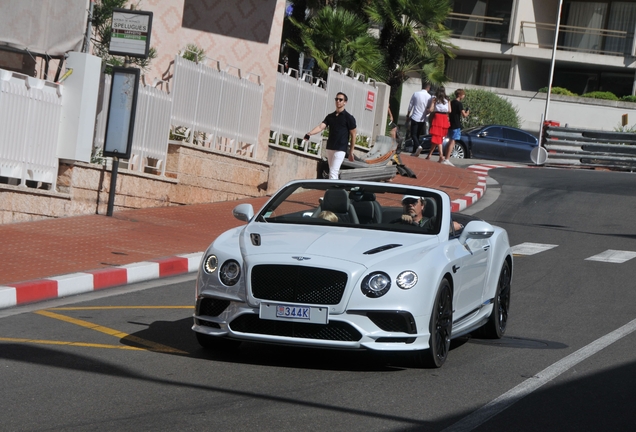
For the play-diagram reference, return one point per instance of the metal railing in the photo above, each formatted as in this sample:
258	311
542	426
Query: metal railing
541	35
30	111
475	27
590	148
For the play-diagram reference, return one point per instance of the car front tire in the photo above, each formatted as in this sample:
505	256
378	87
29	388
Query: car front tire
440	327
495	328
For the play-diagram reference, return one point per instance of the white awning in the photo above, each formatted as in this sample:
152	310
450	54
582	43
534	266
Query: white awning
50	27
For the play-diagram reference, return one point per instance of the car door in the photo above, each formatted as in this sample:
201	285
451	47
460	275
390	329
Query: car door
488	143
470	275
519	144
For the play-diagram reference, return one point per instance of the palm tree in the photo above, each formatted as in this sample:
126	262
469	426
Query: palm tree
339	36
413	38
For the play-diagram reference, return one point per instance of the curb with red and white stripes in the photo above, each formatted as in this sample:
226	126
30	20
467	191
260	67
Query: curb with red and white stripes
78	283
473	196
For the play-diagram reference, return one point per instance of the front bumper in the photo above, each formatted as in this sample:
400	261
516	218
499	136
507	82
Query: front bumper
374	330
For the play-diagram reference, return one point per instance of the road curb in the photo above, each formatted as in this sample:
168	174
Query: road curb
77	283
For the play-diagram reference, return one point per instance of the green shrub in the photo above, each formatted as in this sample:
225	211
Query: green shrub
489	108
629	98
601	95
558	91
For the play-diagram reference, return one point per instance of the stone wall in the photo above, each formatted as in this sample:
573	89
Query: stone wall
194	174
289	164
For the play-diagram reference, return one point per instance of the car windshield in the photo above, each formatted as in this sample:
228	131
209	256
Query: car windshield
356	205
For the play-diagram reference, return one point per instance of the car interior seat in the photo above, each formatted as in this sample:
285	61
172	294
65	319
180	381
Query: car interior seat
337	201
430	210
367	208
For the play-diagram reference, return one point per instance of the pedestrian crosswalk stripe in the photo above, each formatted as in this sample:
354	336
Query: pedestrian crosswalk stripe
531	248
613	256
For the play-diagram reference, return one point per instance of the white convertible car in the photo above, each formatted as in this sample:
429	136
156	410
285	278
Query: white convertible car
355	265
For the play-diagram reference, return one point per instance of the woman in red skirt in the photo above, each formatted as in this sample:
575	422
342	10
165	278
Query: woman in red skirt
440	107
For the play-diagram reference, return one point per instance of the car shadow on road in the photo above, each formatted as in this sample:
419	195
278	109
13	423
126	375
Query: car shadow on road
179	336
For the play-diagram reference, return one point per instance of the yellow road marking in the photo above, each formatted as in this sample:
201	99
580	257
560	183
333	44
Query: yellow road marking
152	346
80	344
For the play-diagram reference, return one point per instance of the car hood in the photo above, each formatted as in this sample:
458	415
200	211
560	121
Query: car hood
362	246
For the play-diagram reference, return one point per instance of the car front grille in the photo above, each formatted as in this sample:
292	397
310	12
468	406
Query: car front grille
298	284
334	330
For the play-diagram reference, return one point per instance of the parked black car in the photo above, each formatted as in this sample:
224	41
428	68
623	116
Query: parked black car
487	142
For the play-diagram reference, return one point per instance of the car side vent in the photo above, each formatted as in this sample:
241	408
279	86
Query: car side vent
381	249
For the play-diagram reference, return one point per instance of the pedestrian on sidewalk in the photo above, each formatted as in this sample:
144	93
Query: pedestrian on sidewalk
455	117
342	126
417	114
440	109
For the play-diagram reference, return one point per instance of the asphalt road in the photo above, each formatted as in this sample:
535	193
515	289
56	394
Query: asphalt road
126	359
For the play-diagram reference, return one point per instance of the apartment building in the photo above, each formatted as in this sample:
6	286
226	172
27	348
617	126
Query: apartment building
508	44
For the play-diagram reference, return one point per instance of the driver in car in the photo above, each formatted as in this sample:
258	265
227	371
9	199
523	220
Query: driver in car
413	214
413	210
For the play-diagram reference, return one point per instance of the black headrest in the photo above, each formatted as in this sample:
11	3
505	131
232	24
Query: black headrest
336	200
361	196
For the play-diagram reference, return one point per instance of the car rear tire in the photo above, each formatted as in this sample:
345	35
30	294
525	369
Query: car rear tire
216	343
440	328
460	151
495	328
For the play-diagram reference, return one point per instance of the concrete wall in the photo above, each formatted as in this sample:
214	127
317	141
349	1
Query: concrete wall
576	112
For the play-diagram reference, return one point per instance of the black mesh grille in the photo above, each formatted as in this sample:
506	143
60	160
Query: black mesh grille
335	330
393	321
208	324
298	284
212	307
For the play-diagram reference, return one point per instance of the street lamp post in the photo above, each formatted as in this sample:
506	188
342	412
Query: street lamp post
554	48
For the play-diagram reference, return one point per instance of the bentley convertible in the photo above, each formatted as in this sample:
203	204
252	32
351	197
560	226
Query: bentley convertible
355	265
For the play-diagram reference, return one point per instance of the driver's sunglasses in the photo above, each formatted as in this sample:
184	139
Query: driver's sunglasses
409	201
340	99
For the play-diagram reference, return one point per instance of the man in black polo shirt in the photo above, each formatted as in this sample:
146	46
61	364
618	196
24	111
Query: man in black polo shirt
342	125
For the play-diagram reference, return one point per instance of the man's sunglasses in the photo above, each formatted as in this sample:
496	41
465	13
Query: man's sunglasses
340	99
409	201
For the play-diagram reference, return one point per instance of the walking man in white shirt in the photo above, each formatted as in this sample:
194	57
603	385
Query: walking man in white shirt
417	113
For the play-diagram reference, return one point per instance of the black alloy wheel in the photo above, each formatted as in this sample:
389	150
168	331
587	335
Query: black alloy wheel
495	328
440	327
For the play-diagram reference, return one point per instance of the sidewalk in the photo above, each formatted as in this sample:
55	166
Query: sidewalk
58	257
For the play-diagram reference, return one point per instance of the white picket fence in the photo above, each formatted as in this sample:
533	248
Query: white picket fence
219	109
30	111
302	102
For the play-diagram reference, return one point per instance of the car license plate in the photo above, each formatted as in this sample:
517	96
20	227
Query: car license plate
299	313
287	311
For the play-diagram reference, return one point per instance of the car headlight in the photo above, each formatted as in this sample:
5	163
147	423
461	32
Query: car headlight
230	272
407	279
210	264
376	284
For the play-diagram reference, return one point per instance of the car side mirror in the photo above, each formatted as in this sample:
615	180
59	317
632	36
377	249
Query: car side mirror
243	212
482	134
476	230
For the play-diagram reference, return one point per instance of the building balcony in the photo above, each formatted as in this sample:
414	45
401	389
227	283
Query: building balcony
578	39
478	28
